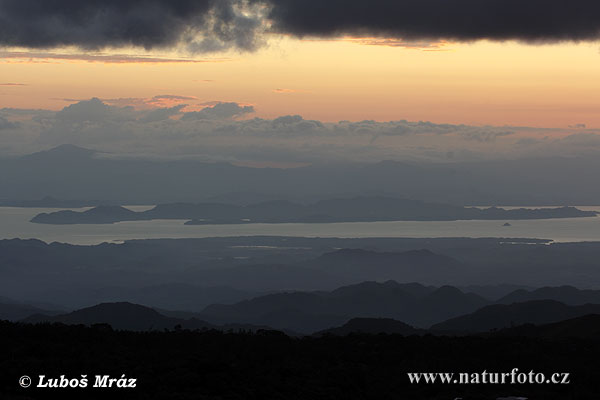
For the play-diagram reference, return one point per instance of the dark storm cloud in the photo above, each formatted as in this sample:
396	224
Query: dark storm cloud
205	25
214	25
463	20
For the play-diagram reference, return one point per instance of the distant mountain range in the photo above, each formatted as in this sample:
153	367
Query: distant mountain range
564	294
408	266
12	311
359	209
189	274
172	296
75	173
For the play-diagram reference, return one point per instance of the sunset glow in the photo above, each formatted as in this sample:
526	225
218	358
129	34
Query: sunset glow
480	83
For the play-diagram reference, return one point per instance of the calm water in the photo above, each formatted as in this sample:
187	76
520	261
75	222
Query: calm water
14	223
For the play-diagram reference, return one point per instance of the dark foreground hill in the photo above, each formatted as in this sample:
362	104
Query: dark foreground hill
214	365
587	326
584	326
373	326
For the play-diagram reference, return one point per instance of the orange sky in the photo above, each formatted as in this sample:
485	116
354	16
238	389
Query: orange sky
480	83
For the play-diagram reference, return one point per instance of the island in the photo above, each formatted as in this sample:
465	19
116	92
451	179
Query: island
358	209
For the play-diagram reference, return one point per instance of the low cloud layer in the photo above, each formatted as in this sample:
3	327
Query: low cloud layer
5	124
227	131
218	111
46	56
216	25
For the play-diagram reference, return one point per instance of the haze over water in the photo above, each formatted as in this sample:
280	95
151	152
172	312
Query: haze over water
16	225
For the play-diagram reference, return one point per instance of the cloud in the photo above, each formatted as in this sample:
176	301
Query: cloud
528	141
13	84
173	97
408	128
143	103
485	135
294	125
6	124
587	139
44	57
93	110
458	20
202	25
169	100
216	133
289	91
392	42
218	111
162	114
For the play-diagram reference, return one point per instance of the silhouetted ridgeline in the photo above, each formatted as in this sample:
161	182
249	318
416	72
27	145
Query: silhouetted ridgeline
500	316
564	294
359	209
309	312
586	325
486	320
368	307
373	326
14	311
269	365
443	309
132	317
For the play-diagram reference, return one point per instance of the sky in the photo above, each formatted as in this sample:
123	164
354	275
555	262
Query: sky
331	80
527	72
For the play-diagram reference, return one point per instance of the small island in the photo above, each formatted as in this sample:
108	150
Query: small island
359	209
